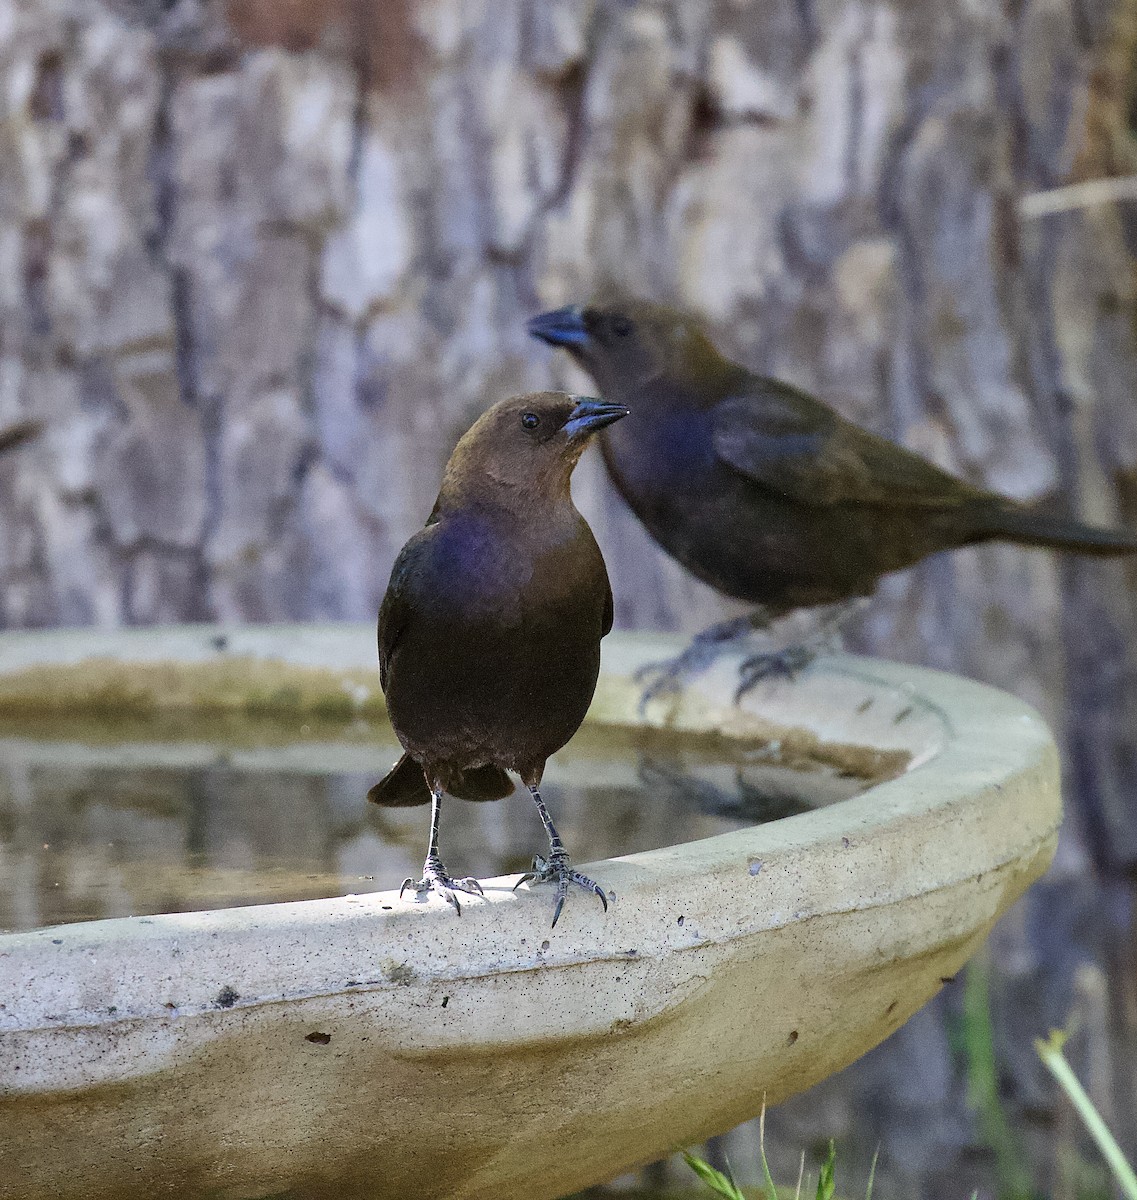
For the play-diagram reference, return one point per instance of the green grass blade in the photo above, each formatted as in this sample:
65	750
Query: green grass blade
715	1180
768	1179
872	1172
1014	1182
825	1183
1050	1051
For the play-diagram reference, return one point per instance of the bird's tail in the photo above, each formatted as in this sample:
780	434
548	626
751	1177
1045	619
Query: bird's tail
1030	527
404	785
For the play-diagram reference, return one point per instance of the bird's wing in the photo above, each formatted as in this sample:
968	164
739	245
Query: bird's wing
609	609
392	616
396	609
793	444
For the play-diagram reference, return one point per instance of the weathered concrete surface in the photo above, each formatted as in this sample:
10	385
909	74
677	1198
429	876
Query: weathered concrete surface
368	1047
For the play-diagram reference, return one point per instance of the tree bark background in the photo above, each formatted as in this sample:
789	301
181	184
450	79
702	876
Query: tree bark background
260	265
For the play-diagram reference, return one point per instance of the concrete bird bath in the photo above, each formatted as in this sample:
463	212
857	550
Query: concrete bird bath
360	1046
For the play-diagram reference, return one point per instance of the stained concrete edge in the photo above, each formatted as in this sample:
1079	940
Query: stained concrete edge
145	1054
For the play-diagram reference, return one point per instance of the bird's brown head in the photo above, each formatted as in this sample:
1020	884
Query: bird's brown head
525	445
626	343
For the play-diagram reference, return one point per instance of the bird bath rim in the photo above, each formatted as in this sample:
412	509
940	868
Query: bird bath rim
912	722
887	892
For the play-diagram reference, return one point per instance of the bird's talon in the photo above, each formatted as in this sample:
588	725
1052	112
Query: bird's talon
435	879
664	679
641	674
659	678
558	869
779	664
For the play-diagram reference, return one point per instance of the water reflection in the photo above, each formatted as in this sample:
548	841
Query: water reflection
102	820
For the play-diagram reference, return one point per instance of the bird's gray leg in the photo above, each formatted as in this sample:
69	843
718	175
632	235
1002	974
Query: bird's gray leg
434	875
556	868
790	660
663	678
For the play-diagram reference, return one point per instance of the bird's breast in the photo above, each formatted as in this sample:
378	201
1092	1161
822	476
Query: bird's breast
499	659
662	456
535	573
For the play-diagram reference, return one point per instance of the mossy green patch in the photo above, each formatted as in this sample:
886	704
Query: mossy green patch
257	687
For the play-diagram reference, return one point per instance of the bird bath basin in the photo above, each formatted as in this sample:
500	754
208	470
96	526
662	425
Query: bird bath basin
359	1046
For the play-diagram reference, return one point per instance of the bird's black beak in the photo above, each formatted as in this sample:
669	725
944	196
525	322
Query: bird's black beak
561	327
591	415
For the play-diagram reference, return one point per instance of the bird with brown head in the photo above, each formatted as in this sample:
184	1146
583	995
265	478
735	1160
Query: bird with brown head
764	492
489	633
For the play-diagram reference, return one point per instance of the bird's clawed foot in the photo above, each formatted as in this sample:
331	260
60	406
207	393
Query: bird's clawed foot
789	662
663	679
667	678
557	869
774	664
435	879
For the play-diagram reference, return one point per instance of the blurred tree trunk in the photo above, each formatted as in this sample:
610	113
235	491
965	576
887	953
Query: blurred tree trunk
262	264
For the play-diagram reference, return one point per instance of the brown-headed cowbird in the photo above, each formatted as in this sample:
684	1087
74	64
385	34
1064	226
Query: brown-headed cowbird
764	492
489	634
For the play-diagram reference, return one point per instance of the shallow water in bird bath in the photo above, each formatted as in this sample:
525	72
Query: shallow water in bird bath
100	818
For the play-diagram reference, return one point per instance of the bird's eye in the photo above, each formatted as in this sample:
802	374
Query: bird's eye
621	326
530	420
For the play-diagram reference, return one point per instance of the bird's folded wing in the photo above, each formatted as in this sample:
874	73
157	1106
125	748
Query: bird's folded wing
791	443
397	608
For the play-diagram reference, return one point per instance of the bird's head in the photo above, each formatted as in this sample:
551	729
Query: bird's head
527	444
626	343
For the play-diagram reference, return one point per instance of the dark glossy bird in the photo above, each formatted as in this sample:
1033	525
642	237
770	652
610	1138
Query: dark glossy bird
764	492
489	633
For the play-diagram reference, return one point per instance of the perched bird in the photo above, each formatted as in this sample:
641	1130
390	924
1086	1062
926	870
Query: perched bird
764	492
489	634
